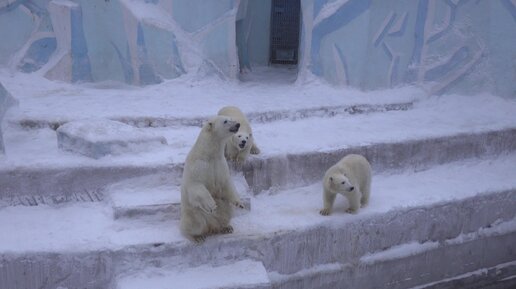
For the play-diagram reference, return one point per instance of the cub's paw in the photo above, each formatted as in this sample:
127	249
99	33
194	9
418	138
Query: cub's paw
227	230
199	239
352	211
325	212
208	206
238	205
255	151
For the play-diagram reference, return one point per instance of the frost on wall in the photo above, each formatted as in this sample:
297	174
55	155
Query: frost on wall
447	45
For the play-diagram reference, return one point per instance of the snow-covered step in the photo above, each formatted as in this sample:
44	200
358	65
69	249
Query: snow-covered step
451	205
254	117
485	260
296	170
240	274
159	194
279	171
97	138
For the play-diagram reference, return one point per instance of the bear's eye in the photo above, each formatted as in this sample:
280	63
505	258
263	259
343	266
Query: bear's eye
225	121
239	135
343	183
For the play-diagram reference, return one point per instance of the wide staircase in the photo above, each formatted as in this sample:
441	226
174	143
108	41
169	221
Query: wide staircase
442	212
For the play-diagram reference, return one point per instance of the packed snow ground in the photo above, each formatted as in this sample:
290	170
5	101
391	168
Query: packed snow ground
430	117
91	226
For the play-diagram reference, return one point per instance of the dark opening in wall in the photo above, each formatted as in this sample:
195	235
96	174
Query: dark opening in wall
284	37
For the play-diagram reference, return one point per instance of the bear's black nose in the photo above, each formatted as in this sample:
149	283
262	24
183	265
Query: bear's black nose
243	141
352	188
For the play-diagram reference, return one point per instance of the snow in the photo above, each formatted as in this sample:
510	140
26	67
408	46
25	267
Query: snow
398	252
430	117
87	227
182	97
91	226
100	137
238	275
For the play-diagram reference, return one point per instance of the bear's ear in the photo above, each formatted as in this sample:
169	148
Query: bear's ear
210	126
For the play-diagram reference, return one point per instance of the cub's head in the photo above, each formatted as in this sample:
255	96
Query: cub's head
242	140
340	183
222	126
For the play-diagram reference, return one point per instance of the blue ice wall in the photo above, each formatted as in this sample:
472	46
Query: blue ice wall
139	42
447	46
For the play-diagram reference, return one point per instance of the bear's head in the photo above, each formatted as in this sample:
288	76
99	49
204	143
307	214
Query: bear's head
222	126
242	139
340	183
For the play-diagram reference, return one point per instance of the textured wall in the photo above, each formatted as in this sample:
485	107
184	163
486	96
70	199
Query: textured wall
461	46
449	45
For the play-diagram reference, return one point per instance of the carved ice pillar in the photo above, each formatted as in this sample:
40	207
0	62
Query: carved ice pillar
71	62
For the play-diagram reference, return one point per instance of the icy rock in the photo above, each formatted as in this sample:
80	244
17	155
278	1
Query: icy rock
100	137
6	101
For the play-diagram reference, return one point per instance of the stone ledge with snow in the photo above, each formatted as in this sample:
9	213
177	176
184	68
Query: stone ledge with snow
97	138
413	218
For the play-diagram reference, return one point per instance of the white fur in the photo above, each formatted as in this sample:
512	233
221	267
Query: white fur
241	144
207	191
350	177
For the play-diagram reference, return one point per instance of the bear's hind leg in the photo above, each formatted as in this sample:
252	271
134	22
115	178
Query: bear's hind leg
366	192
222	217
193	224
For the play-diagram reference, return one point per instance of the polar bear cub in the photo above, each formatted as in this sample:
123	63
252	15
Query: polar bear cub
207	190
350	177
241	144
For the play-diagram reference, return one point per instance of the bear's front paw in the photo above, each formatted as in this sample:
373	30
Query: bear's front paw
208	206
239	205
325	212
352	211
227	230
199	239
255	151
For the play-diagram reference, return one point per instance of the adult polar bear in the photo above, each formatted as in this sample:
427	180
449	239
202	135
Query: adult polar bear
241	144
207	191
351	177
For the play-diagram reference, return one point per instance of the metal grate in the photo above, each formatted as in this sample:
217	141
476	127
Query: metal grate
284	31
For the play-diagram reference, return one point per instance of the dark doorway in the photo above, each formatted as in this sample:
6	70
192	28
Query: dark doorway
284	43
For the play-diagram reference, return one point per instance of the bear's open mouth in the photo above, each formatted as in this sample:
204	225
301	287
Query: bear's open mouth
241	145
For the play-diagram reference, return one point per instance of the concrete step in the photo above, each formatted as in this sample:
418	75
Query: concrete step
239	274
483	261
25	186
159	194
31	122
443	208
295	170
